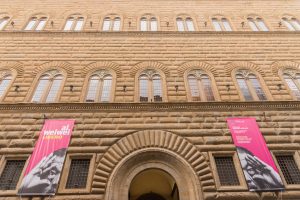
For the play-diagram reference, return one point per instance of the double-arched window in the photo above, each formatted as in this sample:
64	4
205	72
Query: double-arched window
36	23
292	79
200	86
74	23
185	24
221	24
150	86
249	86
99	87
5	81
148	24
291	23
257	24
48	87
111	24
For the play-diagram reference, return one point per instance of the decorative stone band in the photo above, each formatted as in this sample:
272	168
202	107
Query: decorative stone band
123	107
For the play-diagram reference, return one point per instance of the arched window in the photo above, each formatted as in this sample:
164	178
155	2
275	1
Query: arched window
36	23
150	86
200	86
3	22
74	23
250	86
99	87
292	79
5	81
111	24
185	24
48	87
257	24
221	24
148	24
291	23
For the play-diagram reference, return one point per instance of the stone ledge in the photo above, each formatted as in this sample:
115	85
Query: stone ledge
125	107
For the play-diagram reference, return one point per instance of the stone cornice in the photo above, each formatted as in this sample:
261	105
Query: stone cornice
147	34
161	107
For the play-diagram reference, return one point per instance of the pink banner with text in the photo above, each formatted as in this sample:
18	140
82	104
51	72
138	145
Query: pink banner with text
256	160
45	165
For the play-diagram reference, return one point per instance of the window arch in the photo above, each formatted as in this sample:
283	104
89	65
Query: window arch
200	86
257	24
74	23
99	87
111	23
150	86
221	24
185	24
3	22
291	23
48	87
249	85
292	80
36	23
5	81
148	23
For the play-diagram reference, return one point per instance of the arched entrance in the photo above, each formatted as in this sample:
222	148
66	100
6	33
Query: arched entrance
153	184
152	149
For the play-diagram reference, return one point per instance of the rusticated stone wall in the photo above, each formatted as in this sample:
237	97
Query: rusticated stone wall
98	128
190	131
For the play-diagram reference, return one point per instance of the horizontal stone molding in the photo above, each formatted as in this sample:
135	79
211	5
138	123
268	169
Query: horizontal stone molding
125	107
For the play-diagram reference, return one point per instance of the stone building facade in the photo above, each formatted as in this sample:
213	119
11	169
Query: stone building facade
152	131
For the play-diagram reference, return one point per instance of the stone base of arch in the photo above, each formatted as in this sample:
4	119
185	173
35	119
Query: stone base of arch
153	158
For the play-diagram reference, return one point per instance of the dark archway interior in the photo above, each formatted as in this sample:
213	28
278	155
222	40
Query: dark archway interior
151	196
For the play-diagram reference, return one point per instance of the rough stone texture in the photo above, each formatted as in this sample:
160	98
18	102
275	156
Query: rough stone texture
191	130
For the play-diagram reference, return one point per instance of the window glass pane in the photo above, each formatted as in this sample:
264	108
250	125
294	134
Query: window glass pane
3	22
194	89
289	169
226	24
257	87
41	24
79	24
143	88
244	88
117	24
153	24
106	89
40	89
190	24
180	25
54	89
92	89
157	88
293	87
4	84
287	24
31	24
216	24
296	24
206	83
69	24
252	25
106	24
11	174
261	24
226	171
144	24
78	173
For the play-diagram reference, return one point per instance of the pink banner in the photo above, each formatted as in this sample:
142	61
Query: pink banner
46	162
258	165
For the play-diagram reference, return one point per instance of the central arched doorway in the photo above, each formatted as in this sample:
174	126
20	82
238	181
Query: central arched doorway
153	184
